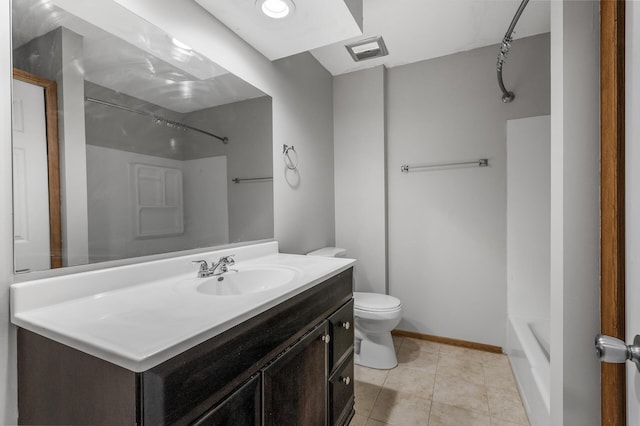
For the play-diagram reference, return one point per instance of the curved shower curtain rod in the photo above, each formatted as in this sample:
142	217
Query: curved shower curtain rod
159	119
508	96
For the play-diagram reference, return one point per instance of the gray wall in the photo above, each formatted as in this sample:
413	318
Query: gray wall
248	126
303	117
528	218
447	228
360	175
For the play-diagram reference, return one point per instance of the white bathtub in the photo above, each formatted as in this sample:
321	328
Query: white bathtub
528	350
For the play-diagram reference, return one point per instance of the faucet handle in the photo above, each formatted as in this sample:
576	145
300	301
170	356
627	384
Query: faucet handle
203	264
229	259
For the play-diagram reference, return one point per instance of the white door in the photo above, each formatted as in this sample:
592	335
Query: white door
30	179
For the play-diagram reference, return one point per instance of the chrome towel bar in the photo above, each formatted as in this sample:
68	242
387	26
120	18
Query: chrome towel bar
482	162
256	179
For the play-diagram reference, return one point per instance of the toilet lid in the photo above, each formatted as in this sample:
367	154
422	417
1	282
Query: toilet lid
375	302
329	252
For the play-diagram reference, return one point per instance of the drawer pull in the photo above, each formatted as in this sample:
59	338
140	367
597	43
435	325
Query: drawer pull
345	324
326	338
345	380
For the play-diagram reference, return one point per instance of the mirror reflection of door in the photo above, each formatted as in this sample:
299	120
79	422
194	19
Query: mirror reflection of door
36	182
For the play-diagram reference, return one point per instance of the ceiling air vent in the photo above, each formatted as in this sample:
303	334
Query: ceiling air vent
369	48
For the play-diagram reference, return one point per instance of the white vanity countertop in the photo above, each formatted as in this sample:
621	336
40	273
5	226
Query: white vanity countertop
142	325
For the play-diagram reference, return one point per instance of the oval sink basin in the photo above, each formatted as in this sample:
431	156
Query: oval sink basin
247	280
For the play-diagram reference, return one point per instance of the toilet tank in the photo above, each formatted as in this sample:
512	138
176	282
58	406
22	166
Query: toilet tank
329	252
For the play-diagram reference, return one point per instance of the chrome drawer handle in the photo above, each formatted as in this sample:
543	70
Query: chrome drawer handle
345	380
326	338
346	325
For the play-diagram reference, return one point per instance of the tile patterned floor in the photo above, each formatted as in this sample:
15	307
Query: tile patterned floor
438	385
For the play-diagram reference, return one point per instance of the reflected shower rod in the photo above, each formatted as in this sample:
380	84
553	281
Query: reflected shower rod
169	123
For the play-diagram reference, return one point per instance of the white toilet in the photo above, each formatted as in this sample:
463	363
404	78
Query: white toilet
375	316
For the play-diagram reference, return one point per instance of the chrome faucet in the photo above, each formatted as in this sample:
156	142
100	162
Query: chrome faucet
218	268
222	265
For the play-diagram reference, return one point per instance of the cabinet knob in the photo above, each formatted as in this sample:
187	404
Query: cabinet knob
345	380
326	338
345	324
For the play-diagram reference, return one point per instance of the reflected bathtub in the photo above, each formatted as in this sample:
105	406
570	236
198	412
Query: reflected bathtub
529	352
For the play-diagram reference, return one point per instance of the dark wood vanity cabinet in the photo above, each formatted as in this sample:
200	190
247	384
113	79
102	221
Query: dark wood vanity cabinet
292	364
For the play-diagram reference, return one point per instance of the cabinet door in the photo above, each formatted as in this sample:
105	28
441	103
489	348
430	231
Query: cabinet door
242	408
295	384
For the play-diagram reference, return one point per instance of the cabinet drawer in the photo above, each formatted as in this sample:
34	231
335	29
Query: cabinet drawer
341	333
341	393
242	408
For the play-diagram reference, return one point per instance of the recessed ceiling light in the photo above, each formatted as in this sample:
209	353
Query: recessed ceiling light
276	9
369	48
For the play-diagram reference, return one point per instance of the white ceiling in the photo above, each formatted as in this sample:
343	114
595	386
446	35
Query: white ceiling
413	30
315	23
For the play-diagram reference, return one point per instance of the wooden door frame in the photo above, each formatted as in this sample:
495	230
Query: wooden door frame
612	203
53	160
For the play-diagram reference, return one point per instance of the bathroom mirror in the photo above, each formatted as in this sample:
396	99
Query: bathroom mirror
128	143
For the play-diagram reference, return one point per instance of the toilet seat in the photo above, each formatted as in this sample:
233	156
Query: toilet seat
374	302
